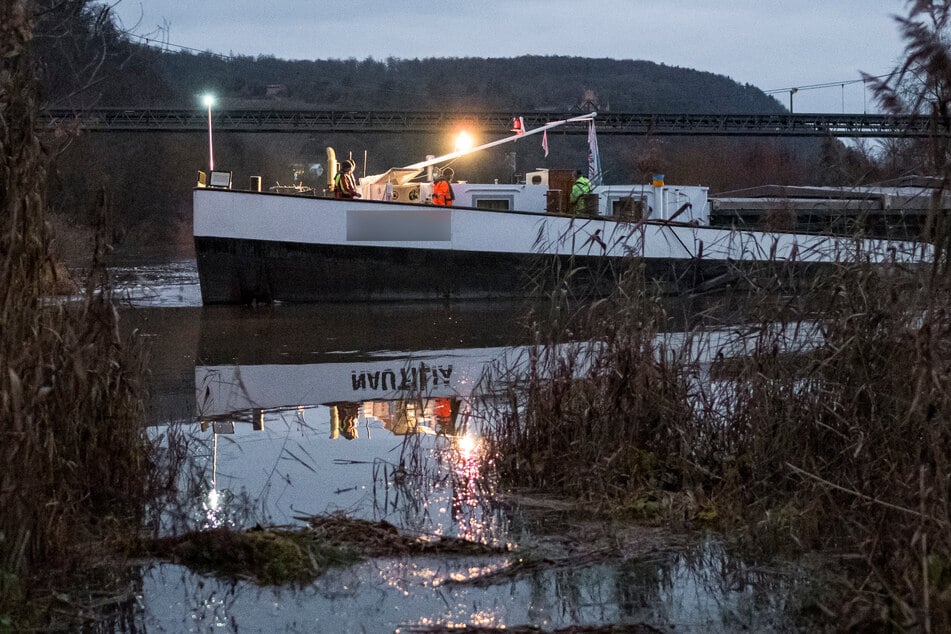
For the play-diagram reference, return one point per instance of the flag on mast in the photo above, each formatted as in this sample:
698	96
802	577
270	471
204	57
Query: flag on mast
545	142
594	156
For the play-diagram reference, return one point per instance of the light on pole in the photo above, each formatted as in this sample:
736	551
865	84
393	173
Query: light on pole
792	91
209	101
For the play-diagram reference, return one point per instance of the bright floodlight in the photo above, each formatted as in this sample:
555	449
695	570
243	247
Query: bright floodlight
208	100
463	142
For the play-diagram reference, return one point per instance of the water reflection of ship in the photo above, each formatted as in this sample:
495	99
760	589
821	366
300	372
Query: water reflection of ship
407	368
296	374
389	363
309	333
406	392
291	377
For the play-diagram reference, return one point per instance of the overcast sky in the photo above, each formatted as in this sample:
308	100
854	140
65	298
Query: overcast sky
772	44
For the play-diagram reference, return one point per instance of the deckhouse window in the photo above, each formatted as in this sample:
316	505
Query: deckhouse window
493	203
628	207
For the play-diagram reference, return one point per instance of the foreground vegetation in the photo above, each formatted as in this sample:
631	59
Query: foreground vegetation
76	464
815	428
298	556
829	432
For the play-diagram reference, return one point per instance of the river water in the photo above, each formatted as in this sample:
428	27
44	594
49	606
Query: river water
291	411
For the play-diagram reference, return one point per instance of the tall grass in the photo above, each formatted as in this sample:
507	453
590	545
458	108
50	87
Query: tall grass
592	419
822	427
821	424
72	442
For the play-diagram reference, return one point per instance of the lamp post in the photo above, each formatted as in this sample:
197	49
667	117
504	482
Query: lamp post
792	91
209	101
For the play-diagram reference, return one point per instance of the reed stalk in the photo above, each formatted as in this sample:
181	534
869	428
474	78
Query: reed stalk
76	462
819	424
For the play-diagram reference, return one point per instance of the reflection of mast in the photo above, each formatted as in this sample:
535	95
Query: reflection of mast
213	503
221	427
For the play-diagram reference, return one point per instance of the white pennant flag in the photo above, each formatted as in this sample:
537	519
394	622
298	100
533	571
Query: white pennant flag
594	156
545	142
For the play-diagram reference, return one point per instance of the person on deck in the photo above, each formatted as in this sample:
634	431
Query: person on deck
345	186
579	190
442	190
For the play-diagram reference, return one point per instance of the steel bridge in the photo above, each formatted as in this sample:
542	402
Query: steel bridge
402	122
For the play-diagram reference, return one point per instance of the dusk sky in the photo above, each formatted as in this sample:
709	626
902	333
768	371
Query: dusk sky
772	44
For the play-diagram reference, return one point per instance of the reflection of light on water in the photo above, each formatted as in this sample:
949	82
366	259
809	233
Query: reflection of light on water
472	572
468	445
480	618
213	506
468	458
214	510
213	500
471	493
290	467
405	577
703	590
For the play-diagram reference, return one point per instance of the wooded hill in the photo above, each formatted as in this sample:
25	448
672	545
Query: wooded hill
129	74
521	84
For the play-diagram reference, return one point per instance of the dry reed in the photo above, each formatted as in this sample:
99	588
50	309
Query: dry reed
829	433
840	446
72	441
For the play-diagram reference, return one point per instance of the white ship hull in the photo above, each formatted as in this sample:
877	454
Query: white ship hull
255	246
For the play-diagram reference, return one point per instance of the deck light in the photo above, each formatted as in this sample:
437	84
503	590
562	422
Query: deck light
463	141
209	101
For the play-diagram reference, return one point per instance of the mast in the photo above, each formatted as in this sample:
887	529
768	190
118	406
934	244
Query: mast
515	137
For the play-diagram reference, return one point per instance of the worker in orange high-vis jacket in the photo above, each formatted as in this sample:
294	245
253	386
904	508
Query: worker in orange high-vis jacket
442	190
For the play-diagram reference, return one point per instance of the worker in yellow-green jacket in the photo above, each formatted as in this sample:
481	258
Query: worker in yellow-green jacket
579	190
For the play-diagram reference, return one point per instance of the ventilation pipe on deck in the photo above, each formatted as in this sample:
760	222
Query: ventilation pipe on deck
660	206
331	167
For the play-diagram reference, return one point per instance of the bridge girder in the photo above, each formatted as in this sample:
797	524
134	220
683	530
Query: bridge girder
426	122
